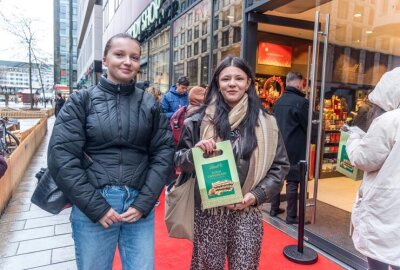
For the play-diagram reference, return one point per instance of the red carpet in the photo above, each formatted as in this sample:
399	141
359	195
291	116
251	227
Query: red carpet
175	254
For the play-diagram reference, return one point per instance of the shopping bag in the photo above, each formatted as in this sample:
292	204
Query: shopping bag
343	164
179	210
217	176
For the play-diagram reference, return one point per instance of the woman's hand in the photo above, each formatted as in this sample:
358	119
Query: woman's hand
248	200
110	218
207	145
131	215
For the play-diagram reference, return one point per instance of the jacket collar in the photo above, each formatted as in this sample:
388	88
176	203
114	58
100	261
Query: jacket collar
113	88
291	89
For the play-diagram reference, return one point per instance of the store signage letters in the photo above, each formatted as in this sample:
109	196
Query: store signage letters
152	19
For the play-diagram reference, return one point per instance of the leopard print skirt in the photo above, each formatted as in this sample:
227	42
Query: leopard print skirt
232	236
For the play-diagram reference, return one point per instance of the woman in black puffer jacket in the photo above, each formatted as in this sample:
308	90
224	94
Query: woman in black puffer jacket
111	152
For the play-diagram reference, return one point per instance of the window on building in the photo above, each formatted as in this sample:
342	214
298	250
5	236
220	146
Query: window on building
204	70
225	38
192	71
183	54
196	32
204	28
182	38
215	41
204	45
237	32
196	48
225	18
189	51
189	35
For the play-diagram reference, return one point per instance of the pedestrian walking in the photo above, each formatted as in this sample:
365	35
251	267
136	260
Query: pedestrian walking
59	103
110	152
176	97
233	111
377	152
291	112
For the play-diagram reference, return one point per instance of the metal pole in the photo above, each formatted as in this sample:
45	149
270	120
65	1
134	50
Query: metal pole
299	253
312	90
321	115
71	43
308	71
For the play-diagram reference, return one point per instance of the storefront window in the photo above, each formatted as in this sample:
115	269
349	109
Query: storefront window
363	45
227	30
159	60
187	62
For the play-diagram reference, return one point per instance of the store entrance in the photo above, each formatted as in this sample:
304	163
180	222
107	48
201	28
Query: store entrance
337	45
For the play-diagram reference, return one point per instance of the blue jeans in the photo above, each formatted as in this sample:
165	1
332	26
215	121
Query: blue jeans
95	246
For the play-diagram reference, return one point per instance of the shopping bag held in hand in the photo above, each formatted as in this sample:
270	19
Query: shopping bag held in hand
217	176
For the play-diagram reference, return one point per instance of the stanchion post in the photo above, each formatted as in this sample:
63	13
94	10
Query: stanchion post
298	253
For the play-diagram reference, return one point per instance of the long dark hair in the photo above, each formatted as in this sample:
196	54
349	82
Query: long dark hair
220	120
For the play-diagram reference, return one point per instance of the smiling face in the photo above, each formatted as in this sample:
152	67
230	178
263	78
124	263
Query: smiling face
122	60
233	84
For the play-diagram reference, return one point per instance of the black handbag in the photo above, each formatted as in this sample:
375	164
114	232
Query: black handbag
47	195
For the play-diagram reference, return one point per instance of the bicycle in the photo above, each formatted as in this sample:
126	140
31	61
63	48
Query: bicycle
8	141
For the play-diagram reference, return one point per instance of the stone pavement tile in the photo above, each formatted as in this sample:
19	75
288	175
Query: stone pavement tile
46	221
8	217
45	243
19	201
51	220
18	208
8	250
27	261
30	234
63	229
12	226
63	254
71	265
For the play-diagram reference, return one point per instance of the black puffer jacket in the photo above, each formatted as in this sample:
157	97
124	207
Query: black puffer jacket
127	141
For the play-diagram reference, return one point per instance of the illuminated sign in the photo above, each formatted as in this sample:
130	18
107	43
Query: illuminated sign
274	55
152	19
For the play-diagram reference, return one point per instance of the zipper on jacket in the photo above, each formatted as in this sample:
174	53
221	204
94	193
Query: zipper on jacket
119	130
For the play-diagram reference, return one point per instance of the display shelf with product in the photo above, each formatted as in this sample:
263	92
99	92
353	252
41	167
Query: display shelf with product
334	118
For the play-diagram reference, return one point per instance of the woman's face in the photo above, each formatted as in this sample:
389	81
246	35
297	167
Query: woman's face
233	83
122	60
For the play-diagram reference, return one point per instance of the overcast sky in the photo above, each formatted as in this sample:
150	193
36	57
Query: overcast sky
41	12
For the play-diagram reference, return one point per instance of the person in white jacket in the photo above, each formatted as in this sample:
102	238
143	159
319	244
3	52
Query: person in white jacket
376	213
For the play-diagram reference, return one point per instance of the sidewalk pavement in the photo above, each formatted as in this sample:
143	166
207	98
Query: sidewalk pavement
31	238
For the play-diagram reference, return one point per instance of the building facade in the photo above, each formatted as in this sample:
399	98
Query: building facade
62	56
14	77
90	32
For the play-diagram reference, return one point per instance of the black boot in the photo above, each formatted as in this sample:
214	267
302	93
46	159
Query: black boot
291	217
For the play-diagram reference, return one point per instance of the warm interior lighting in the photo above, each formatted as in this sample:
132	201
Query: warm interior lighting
368	32
357	15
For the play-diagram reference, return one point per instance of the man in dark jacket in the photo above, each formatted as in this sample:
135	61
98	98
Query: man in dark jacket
59	103
176	97
291	112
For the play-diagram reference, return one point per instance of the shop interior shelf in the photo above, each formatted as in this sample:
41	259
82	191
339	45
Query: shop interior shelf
332	130
330	153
